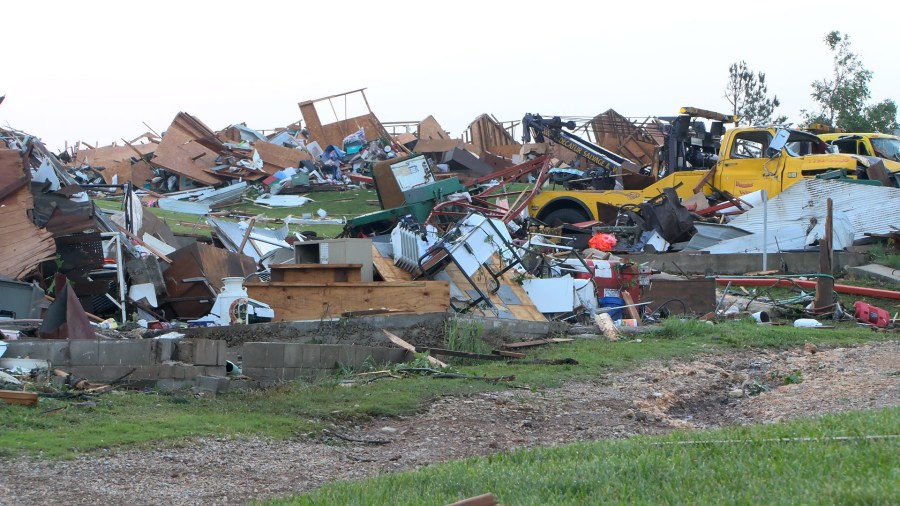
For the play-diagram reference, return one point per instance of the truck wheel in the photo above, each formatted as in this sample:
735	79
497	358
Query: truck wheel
565	215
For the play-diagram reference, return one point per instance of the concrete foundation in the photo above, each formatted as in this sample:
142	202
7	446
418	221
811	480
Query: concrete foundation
133	360
741	263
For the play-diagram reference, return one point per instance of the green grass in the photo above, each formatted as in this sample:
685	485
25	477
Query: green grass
659	470
137	419
882	255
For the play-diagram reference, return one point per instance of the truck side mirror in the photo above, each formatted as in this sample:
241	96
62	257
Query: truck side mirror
778	142
831	148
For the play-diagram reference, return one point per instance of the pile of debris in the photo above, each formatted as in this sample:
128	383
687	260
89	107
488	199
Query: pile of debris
454	232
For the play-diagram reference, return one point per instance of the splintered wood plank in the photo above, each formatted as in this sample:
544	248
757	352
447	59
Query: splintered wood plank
536	342
410	348
312	301
630	308
480	500
386	268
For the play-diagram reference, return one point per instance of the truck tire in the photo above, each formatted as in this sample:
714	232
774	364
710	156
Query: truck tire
564	215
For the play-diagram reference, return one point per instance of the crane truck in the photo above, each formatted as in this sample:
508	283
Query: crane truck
694	159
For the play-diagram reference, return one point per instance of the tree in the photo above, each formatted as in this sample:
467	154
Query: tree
842	97
747	93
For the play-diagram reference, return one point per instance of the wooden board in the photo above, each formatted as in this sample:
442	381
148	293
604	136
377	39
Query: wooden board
537	342
277	157
308	301
630	309
429	128
386	269
180	152
17	397
410	348
316	273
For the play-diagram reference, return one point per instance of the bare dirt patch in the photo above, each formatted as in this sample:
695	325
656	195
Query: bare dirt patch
707	391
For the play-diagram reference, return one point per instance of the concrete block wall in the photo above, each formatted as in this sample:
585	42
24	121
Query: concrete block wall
274	362
140	359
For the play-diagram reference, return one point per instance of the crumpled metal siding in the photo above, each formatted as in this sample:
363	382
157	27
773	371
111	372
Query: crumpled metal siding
872	209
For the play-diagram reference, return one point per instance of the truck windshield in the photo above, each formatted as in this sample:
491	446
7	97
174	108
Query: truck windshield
886	148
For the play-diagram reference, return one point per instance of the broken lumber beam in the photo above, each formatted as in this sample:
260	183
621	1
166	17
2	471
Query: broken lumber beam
18	397
537	342
463	354
630	307
607	327
480	500
410	348
508	354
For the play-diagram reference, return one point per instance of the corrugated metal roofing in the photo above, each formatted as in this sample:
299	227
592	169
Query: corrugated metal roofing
870	208
796	216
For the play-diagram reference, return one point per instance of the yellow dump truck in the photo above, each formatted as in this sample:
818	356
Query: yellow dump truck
884	146
748	159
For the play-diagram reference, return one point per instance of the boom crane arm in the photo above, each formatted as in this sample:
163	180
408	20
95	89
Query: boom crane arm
534	126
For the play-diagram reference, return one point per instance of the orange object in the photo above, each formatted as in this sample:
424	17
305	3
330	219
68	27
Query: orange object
602	242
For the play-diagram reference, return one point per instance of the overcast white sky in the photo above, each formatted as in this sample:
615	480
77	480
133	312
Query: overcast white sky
94	70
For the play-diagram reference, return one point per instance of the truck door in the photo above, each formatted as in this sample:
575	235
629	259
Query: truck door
747	168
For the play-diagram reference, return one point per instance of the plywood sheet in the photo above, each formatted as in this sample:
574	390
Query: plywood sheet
277	157
386	269
185	149
437	145
302	301
484	133
117	161
334	133
430	129
620	135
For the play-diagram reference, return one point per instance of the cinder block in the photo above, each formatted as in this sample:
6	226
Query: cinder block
381	355
184	372
363	353
55	351
184	350
212	370
293	355
126	352
153	372
263	355
312	356
253	355
84	352
101	373
265	373
164	350
209	352
171	385
329	356
212	384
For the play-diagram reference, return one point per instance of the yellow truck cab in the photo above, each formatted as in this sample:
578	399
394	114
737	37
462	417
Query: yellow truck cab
749	159
884	146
